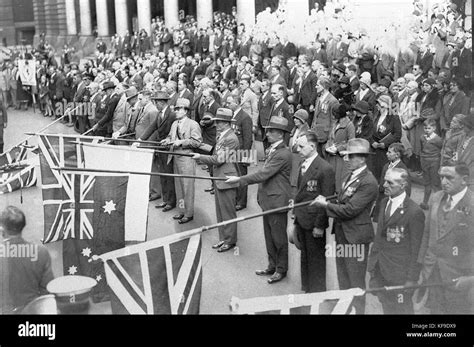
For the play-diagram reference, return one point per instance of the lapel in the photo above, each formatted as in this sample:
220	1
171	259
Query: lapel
397	214
270	157
453	217
352	182
308	174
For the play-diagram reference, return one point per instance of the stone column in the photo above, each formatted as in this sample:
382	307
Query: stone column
86	25
204	12
71	18
144	15
121	17
102	15
246	13
171	13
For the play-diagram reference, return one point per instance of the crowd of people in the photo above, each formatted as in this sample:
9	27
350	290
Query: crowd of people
340	115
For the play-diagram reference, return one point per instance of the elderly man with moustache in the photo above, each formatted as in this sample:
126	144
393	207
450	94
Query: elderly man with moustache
274	191
447	248
351	213
394	254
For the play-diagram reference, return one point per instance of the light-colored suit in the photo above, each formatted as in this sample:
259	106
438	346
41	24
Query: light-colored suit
120	113
250	105
190	132
225	193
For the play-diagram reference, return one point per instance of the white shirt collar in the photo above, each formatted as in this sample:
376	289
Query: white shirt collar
393	164
279	102
397	202
457	197
307	162
358	171
275	145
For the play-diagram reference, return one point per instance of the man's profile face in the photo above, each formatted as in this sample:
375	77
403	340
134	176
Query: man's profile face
392	185
451	182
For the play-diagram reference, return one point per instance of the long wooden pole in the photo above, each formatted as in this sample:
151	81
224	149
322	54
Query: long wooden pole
73	169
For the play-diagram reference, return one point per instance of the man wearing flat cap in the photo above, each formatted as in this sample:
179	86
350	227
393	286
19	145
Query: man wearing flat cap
274	191
224	164
184	137
352	223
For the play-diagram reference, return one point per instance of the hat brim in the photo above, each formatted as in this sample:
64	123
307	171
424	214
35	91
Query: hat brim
301	119
132	96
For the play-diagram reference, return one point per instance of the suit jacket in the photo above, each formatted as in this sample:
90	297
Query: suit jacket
425	61
397	253
451	248
283	110
364	129
190	132
274	189
249	104
186	94
369	97
106	120
341	51
324	117
24	279
120	114
317	180
146	122
243	129
389	131
229	143
352	211
307	92
321	56
265	105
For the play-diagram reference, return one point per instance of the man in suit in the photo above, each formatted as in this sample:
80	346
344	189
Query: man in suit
243	129
249	102
447	250
121	111
3	121
22	278
274	191
307	90
463	67
325	109
95	98
224	193
351	72
81	97
319	53
158	129
184	136
292	64
183	90
352	224
394	254
106	110
280	108
424	59
315	177
265	106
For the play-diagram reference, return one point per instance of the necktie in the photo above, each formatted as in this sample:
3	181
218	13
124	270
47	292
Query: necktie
348	180
448	204
303	167
388	209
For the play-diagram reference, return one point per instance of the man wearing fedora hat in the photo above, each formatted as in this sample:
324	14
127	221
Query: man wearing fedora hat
131	96
184	137
103	127
227	145
274	191
351	213
157	130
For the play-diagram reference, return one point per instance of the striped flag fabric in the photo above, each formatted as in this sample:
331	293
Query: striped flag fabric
57	150
14	155
162	276
17	179
330	302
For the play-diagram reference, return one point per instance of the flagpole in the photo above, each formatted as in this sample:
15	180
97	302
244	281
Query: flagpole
415	286
30	135
138	173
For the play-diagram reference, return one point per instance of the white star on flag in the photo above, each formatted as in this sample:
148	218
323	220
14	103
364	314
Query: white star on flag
72	270
86	252
98	278
109	207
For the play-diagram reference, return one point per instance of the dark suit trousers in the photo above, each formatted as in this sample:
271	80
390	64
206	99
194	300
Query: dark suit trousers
351	271
155	183
225	210
313	262
393	302
276	240
242	191
167	183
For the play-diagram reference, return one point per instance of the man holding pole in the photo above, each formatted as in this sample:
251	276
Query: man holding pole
184	136
274	191
352	224
226	148
393	257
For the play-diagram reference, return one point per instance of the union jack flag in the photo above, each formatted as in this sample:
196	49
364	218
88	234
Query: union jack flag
66	207
162	276
17	179
14	155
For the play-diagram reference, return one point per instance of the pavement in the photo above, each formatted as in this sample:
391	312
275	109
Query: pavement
225	275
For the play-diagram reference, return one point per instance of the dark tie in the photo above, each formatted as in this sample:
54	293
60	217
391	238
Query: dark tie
347	180
388	209
448	204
